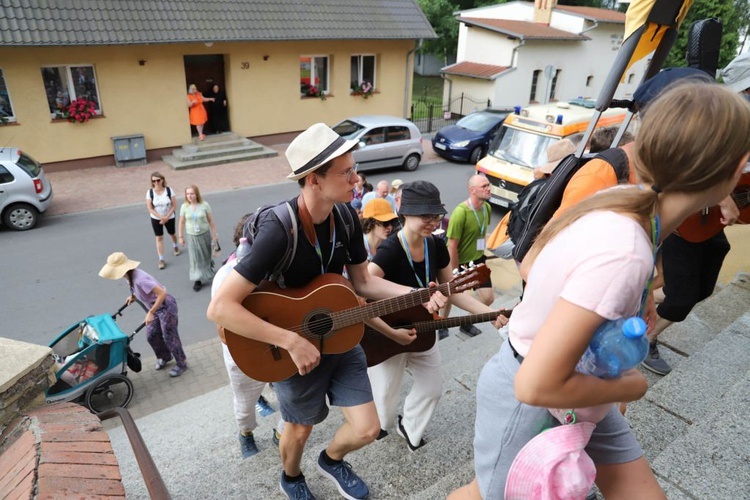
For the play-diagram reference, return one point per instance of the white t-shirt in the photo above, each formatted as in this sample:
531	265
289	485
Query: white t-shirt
162	202
601	263
222	274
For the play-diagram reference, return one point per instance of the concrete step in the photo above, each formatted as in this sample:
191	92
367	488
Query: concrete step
216	138
185	155
218	160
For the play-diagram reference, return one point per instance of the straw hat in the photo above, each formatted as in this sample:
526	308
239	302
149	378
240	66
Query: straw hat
117	265
314	147
556	152
397	183
379	209
553	465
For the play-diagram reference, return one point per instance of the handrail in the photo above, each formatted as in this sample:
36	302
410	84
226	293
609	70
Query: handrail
157	490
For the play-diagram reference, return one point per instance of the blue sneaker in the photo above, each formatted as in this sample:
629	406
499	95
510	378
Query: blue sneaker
296	490
247	445
263	408
349	484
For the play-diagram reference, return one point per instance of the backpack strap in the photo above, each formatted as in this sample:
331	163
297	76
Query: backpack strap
151	194
618	159
346	217
287	218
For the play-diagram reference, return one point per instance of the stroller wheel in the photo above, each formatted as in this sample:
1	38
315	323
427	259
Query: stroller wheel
112	392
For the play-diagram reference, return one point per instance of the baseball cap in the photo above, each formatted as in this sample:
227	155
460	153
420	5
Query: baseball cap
379	209
654	86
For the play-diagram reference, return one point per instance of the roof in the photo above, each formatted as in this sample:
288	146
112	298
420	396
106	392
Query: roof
523	30
115	22
594	14
474	70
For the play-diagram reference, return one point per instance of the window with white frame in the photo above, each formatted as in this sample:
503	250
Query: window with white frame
64	84
314	74
6	107
555	81
534	84
362	71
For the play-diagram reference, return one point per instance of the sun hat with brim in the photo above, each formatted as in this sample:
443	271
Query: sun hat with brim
666	78
379	209
556	152
736	75
117	265
553	465
314	147
421	198
397	183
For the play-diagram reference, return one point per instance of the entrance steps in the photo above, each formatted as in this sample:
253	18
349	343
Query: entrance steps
216	149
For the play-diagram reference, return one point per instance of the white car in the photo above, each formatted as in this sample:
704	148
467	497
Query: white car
384	141
24	191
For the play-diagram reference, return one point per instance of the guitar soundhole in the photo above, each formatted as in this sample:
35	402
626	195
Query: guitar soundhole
319	324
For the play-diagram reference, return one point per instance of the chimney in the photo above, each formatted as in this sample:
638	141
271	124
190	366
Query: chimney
543	11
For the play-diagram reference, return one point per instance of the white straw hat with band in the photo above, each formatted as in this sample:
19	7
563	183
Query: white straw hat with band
313	148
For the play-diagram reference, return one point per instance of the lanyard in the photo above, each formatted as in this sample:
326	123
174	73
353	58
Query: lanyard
324	270
411	262
483	224
655	236
370	256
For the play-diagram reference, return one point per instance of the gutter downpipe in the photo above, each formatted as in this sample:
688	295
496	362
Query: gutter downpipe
407	85
514	55
592	27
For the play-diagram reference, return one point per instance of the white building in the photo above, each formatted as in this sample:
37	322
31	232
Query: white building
519	53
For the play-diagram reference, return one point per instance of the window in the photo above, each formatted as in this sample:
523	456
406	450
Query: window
589	81
313	72
6	107
555	79
362	70
631	77
374	136
64	84
5	176
398	134
534	85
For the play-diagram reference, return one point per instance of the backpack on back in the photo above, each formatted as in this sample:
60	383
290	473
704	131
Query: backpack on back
539	200
283	214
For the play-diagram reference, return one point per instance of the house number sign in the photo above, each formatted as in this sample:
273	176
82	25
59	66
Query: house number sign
245	65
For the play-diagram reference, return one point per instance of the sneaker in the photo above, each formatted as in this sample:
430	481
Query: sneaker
197	286
276	437
442	333
162	264
349	484
160	364
263	408
383	433
470	330
653	361
296	490
403	434
177	251
177	371
247	445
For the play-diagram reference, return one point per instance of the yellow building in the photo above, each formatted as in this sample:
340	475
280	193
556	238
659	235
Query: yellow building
134	61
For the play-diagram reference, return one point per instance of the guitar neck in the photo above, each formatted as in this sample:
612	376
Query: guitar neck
428	326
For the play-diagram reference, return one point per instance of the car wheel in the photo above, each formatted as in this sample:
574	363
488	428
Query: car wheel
475	155
20	217
411	163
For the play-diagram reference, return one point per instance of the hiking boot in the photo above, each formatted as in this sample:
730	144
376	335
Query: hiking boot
162	264
349	484
296	490
247	445
276	437
470	330
177	251
402	432
442	333
653	361
263	408
177	371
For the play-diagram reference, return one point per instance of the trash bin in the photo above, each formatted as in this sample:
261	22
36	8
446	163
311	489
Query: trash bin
129	150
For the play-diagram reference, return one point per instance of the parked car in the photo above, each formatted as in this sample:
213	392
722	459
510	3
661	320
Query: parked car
24	191
469	139
385	141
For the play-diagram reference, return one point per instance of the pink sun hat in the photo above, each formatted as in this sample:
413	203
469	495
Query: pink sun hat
553	465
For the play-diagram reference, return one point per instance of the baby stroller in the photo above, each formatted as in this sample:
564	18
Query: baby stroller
92	358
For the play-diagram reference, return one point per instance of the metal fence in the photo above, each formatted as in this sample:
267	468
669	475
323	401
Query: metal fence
431	116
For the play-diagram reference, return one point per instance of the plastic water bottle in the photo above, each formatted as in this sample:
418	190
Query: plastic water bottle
242	249
616	347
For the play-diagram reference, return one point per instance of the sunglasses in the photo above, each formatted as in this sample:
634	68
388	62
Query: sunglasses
395	224
156	180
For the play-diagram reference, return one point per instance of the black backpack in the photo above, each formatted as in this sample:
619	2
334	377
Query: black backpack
283	214
539	200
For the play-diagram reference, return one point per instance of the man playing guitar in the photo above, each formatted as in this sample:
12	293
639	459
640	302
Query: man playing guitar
323	165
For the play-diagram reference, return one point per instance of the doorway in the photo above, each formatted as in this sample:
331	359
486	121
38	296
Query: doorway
205	71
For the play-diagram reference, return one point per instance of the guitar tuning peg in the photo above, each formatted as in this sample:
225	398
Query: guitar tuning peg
472	265
455	272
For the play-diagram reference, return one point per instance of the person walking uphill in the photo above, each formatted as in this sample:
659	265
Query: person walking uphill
197	228
323	165
161	317
161	204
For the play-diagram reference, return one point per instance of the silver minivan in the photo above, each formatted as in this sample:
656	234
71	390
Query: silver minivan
24	191
384	141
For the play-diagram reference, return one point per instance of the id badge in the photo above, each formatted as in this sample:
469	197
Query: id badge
481	244
197	228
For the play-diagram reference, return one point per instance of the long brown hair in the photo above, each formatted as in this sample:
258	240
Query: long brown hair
160	176
692	139
198	197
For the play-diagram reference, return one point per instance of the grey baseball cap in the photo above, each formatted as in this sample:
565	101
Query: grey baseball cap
737	73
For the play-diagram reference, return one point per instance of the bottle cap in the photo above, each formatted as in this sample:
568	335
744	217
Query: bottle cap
243	240
634	328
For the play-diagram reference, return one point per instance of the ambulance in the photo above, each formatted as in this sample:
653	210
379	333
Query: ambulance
524	138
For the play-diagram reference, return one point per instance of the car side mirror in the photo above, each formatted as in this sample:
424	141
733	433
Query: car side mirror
362	144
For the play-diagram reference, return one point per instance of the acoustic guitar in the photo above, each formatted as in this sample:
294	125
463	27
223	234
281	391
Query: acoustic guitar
707	223
327	313
378	347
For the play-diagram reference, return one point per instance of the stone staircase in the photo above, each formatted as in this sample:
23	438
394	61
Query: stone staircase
216	149
691	424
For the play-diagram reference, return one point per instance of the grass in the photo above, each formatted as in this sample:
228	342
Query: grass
427	89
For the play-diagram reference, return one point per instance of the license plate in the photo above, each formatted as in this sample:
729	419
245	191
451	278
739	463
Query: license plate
440	146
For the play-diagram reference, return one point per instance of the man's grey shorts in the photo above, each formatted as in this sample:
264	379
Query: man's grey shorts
504	425
341	377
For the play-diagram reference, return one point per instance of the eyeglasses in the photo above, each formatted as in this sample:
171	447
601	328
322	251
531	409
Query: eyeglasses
348	173
155	180
426	219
